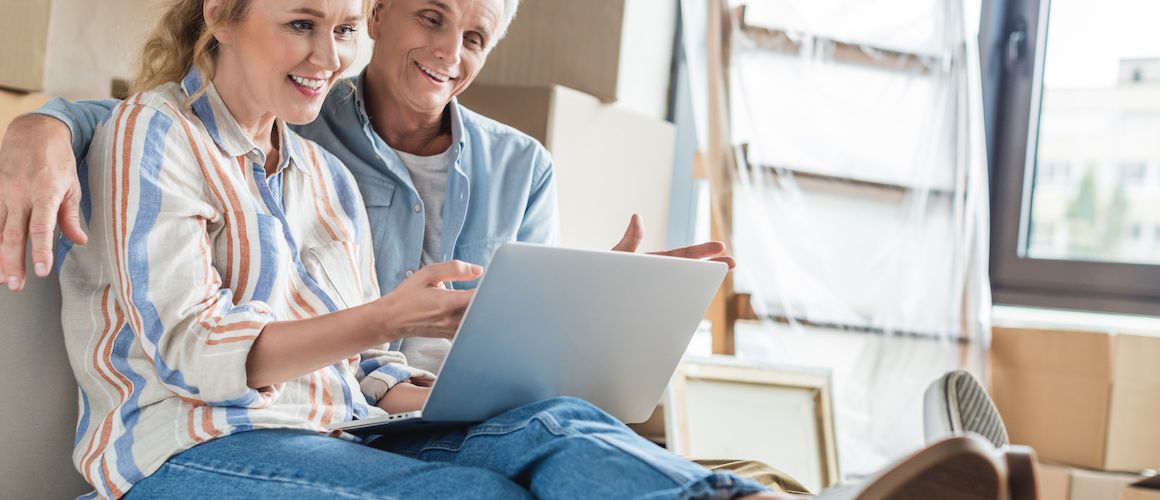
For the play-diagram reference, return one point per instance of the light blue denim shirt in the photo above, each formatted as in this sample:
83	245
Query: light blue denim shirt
500	187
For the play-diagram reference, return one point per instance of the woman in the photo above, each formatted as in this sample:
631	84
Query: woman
225	247
226	309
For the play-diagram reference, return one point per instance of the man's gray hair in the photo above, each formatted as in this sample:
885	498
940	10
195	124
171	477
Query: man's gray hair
509	13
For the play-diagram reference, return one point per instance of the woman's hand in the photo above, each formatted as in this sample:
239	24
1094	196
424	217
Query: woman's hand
422	306
404	397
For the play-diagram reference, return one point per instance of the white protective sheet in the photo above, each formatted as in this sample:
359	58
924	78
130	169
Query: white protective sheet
860	201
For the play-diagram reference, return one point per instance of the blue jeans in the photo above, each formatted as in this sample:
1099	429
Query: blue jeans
559	448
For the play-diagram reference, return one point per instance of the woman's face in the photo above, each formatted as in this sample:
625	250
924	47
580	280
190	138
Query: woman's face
428	51
286	54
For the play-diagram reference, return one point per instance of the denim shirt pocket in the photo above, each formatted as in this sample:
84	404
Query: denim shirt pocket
376	191
478	252
335	266
377	194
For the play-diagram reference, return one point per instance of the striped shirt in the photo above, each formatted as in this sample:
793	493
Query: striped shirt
193	250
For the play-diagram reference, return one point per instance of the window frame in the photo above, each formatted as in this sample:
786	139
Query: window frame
1012	36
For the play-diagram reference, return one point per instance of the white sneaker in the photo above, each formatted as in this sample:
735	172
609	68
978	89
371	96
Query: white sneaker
958	403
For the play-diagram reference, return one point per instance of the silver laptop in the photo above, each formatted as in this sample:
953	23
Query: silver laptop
606	327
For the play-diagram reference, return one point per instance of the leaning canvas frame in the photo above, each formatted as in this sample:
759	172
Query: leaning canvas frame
816	383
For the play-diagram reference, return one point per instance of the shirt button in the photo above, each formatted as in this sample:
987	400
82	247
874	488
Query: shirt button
408	274
418	208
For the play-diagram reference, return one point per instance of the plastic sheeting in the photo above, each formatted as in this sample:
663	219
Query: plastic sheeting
859	198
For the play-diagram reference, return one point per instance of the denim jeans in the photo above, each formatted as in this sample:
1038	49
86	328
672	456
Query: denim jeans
559	448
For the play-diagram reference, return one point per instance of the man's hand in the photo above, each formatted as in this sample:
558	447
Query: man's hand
38	190
713	250
421	306
404	397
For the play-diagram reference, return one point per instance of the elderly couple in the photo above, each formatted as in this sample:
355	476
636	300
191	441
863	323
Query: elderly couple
247	208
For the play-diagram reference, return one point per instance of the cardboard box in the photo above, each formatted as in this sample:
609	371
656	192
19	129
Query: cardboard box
24	38
1099	485
616	50
1063	482
609	162
1147	489
1054	481
71	47
1081	398
13	104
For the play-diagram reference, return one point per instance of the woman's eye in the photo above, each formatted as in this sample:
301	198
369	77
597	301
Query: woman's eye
301	25
430	20
474	41
346	31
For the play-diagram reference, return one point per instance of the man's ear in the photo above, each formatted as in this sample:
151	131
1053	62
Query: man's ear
376	16
210	10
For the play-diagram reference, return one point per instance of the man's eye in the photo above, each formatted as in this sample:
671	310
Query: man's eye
430	20
301	25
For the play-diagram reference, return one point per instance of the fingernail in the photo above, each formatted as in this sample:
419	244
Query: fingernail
13	283
41	269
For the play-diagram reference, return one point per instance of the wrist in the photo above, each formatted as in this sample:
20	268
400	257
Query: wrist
379	324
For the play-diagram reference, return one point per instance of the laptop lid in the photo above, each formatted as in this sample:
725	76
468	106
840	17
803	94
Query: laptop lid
606	327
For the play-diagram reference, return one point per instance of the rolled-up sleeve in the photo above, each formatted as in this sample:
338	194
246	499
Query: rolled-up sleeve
155	212
381	369
81	117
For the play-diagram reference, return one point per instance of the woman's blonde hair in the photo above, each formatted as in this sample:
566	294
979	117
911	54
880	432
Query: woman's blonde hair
184	38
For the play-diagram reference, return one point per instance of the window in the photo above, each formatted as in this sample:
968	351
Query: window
1076	83
1133	173
1053	173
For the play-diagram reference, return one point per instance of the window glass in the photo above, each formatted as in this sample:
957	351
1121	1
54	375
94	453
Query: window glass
1096	187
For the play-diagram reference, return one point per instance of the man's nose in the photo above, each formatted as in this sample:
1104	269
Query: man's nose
449	47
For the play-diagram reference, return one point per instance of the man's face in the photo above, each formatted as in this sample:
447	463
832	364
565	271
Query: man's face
428	51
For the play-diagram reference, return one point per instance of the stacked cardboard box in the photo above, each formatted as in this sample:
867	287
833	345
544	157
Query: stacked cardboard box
609	162
596	107
24	36
70	47
1086	401
615	50
1063	482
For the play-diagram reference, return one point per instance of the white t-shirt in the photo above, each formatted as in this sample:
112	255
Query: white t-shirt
429	174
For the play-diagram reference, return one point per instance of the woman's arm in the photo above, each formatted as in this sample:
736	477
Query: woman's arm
419	306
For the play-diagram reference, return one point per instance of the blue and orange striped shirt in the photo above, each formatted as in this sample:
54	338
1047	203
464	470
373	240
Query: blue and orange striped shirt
193	250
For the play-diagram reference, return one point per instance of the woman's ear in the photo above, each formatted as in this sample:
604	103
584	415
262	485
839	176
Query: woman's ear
373	29
210	10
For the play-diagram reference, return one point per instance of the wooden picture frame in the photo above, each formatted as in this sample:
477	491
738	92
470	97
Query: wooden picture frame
724	408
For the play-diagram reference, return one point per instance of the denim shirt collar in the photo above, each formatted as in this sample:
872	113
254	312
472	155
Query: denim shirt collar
228	134
458	137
